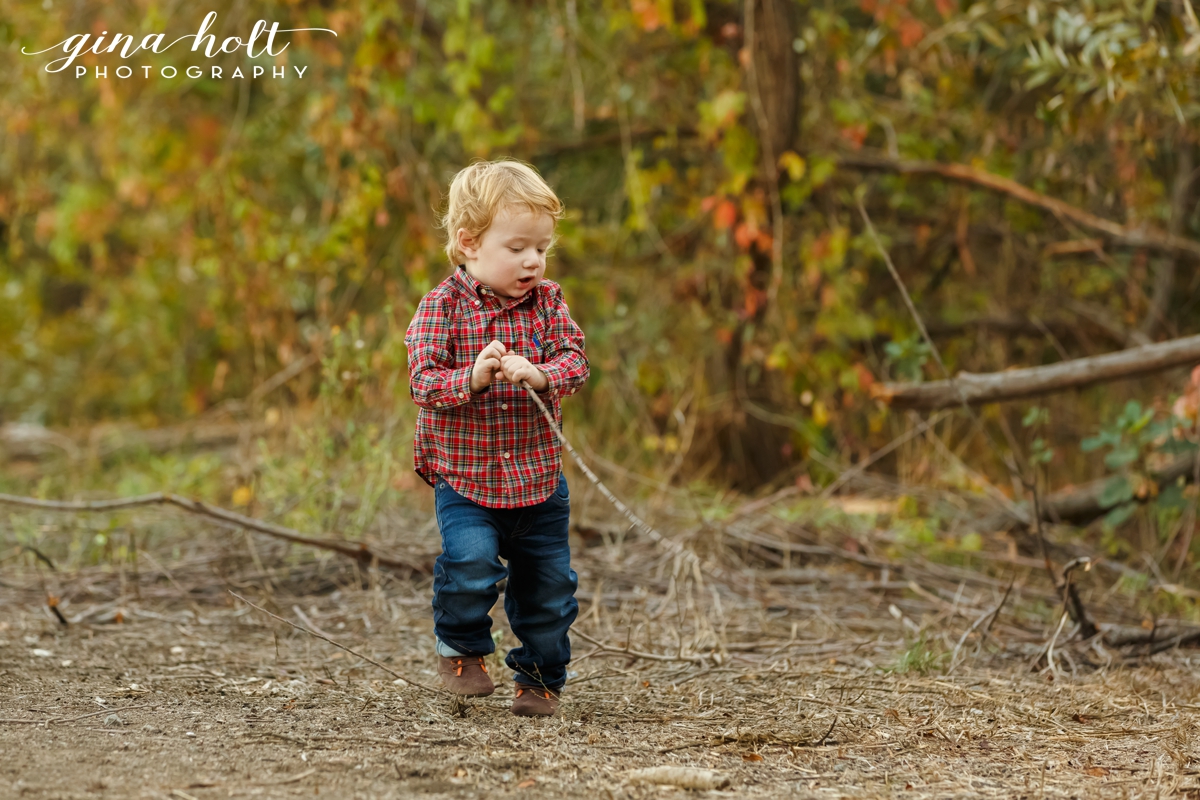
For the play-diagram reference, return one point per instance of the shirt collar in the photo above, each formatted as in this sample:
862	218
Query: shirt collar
476	289
468	282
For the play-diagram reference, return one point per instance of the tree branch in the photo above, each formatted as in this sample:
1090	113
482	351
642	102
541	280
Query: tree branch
1081	504
1013	384
1141	237
359	552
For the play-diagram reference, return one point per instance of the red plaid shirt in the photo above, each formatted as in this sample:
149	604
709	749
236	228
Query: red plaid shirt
494	448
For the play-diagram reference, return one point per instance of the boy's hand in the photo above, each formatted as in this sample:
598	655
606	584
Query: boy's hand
517	369
488	366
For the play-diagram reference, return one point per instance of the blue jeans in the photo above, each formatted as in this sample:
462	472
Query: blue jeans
539	597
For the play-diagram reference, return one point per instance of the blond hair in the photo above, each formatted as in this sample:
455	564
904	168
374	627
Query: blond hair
479	191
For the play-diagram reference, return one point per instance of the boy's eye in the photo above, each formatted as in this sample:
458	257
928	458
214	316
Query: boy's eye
515	249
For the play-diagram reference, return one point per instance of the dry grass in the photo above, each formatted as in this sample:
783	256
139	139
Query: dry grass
825	673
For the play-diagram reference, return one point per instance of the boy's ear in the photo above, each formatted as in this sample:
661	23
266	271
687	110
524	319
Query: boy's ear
467	243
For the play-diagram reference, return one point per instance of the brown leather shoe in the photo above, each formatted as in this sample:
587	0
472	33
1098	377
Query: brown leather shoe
534	701
465	675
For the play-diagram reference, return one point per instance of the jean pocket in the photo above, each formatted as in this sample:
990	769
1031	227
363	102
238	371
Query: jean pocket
562	495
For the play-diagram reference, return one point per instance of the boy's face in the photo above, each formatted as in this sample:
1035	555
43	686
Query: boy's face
510	257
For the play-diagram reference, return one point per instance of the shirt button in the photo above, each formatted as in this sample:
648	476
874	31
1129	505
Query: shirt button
504	406
506	455
462	394
476	302
439	405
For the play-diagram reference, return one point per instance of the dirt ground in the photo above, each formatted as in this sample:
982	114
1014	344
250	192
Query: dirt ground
825	679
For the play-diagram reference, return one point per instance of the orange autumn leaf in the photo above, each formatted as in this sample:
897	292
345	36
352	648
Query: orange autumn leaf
855	134
647	14
743	235
865	378
725	215
911	32
763	242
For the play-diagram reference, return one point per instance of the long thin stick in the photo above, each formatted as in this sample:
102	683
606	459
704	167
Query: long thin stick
359	553
933	349
861	466
1140	237
1079	611
991	613
349	650
605	648
1050	648
655	536
74	719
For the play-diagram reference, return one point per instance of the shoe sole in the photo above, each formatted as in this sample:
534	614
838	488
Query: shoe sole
533	714
464	694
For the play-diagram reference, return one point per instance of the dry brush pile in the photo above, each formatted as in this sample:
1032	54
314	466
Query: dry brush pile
838	656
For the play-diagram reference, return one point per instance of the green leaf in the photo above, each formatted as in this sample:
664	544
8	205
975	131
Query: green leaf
1038	78
971	542
992	35
1117	490
821	169
1124	454
1035	415
1141	421
1130	414
1119	514
1175	446
1099	440
1154	430
1171	497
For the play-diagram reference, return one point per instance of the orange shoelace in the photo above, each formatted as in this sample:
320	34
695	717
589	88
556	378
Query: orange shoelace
459	664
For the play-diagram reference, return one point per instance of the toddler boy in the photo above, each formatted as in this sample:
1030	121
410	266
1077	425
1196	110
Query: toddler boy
482	443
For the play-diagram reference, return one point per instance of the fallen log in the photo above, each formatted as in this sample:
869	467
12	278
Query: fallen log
1170	634
1013	384
1080	505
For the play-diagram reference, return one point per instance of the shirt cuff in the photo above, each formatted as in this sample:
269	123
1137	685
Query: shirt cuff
456	392
556	377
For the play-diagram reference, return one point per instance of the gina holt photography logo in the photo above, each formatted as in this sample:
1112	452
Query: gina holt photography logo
260	42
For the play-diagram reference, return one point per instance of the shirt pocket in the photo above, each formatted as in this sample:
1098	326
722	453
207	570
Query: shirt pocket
539	338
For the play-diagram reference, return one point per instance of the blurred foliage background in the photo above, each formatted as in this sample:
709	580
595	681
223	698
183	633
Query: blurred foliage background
169	245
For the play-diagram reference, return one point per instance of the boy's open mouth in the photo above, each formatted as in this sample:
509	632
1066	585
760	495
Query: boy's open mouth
524	283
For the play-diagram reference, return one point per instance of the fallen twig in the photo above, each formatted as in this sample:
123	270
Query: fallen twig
54	720
314	627
360	553
862	465
683	777
1063	584
351	651
606	648
753	738
1050	647
991	613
